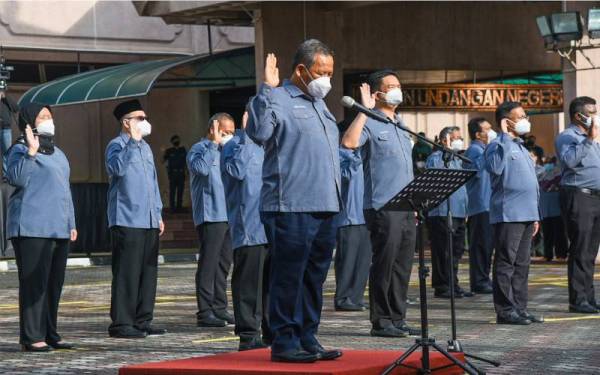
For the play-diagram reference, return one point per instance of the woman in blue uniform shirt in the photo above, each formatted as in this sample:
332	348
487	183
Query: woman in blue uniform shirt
41	221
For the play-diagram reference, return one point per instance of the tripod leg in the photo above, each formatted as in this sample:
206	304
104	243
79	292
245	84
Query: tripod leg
491	362
402	358
454	360
475	368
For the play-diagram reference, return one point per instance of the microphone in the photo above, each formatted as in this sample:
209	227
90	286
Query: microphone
350	103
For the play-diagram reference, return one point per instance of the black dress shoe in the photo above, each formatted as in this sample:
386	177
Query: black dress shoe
583	308
531	317
595	305
226	316
484	290
364	305
128	333
322	353
251	343
513	318
151	331
389	331
445	294
410	331
61	345
348	306
462	293
36	349
294	356
211	321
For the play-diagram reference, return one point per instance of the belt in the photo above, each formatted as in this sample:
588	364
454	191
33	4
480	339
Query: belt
587	191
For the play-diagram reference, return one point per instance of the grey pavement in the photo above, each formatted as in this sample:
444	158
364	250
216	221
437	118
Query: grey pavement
566	343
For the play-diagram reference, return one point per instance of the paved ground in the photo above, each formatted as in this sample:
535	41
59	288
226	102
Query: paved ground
566	343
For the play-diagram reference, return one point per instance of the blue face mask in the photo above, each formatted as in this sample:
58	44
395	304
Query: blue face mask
548	167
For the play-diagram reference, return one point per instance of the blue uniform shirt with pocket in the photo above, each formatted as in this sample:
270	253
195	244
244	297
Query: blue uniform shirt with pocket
515	188
479	188
352	188
387	157
301	170
206	185
241	168
579	158
41	205
458	199
133	195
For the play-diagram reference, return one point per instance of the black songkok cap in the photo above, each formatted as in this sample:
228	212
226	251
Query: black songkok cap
127	107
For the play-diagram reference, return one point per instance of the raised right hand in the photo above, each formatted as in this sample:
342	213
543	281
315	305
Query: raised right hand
135	132
33	141
271	71
594	131
214	134
367	99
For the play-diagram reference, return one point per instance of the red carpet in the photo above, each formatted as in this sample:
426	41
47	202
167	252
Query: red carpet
353	362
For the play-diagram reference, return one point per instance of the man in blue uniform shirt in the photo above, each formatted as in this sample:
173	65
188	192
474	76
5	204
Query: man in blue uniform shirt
387	157
437	223
514	213
241	168
353	251
210	218
135	221
300	196
579	153
478	207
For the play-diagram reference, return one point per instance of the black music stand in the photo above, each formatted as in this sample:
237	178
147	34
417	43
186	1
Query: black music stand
425	192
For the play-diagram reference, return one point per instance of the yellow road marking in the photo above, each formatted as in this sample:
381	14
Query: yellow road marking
571	318
220	339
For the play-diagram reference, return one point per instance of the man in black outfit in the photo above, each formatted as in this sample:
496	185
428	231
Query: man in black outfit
175	159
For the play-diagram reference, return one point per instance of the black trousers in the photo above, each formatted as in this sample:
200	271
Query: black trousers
134	274
176	187
393	242
214	262
440	253
481	249
41	264
582	217
352	263
512	242
249	289
555	238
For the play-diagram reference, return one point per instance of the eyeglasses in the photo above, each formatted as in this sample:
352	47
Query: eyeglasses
139	118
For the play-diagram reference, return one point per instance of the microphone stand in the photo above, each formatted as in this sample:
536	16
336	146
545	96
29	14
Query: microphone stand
448	154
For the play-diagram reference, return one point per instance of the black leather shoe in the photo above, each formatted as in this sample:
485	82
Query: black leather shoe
62	345
128	333
251	343
531	317
595	305
151	331
211	321
226	316
322	353
583	308
513	318
36	349
462	293
348	306
445	294
484	290
410	331
389	331
294	356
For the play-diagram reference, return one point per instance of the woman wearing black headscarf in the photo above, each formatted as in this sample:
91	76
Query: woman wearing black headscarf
41	222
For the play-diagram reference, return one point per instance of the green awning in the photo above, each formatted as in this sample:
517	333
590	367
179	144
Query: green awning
233	68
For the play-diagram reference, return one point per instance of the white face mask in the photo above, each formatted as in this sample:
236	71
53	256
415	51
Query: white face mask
523	126
394	96
225	138
318	88
491	135
145	128
457	144
46	127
